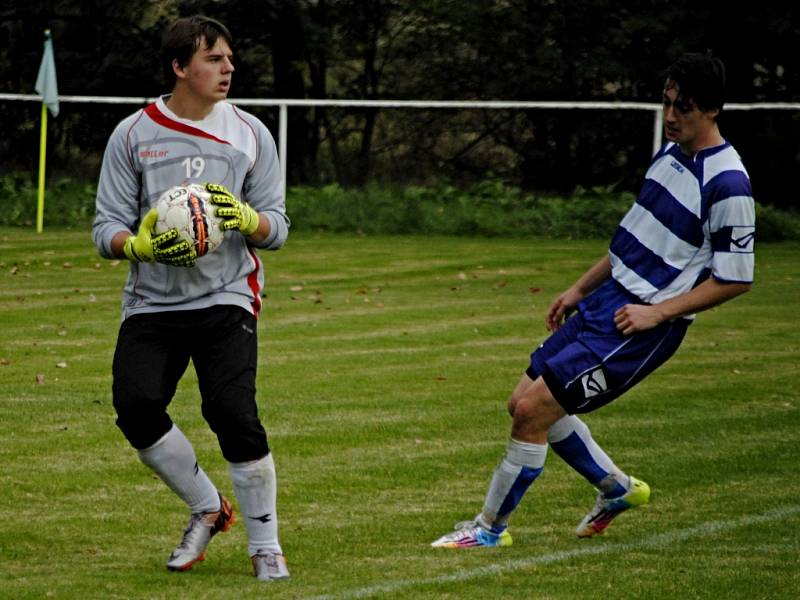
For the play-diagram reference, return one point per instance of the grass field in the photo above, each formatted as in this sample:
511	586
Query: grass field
384	369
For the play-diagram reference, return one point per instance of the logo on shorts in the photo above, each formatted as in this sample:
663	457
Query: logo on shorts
594	382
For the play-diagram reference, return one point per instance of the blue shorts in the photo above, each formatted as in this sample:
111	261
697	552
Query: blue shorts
588	362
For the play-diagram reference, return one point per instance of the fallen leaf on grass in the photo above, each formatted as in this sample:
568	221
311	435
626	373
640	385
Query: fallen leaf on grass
39	378
61	365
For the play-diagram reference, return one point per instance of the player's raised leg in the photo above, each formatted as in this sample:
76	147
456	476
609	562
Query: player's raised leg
571	439
173	459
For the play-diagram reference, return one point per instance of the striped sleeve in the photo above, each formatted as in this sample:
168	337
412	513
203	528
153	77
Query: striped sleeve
731	221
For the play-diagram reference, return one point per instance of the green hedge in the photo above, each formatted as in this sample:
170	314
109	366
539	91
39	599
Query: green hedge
487	209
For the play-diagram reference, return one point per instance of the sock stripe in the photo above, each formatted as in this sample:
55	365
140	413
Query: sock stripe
526	477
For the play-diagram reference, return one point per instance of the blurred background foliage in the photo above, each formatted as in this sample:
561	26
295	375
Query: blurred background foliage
589	50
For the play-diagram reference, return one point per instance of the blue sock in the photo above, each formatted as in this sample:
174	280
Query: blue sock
571	439
520	466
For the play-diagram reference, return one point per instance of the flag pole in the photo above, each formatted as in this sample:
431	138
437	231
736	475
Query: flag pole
47	86
42	157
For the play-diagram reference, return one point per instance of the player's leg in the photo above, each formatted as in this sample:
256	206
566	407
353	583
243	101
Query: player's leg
148	363
534	410
255	484
173	459
571	439
226	368
599	367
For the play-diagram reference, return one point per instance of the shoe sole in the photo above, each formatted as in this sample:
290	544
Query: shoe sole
187	566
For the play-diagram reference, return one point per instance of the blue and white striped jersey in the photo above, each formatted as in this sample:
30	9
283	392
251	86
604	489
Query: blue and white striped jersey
694	218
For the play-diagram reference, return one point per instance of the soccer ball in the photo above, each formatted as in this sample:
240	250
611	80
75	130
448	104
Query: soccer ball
187	208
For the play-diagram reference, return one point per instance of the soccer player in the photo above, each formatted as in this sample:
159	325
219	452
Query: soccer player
686	245
178	307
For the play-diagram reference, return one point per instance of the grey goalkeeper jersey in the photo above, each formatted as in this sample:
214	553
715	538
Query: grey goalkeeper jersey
154	150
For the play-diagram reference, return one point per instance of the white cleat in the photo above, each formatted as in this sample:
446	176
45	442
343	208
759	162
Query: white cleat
269	566
201	528
469	534
606	509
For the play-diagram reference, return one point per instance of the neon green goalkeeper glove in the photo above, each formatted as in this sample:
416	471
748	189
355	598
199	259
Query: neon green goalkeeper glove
147	247
237	215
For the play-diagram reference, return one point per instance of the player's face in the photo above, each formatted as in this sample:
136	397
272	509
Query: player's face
684	123
208	74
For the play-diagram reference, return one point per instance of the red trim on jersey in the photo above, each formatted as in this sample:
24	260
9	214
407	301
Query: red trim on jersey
163	120
252	281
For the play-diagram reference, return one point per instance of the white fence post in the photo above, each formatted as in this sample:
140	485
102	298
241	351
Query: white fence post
657	125
283	132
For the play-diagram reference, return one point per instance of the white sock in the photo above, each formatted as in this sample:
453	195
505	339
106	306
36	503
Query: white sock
173	460
571	439
520	465
255	485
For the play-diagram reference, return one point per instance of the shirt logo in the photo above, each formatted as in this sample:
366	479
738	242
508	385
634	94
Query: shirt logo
742	239
594	383
152	153
677	166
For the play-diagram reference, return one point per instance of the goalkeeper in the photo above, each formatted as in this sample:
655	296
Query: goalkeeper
177	307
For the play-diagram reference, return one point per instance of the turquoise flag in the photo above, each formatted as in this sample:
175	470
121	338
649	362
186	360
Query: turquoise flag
46	81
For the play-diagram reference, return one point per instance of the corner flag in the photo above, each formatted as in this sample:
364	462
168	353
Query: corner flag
48	88
46	84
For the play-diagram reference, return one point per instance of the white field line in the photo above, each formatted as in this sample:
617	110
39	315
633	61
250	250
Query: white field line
656	541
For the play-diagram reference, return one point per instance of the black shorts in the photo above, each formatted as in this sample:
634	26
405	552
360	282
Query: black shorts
153	351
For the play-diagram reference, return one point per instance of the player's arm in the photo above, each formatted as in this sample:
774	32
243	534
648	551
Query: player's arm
586	283
640	317
262	231
263	189
118	243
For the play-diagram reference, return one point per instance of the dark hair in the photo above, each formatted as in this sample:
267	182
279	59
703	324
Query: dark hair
183	38
701	78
